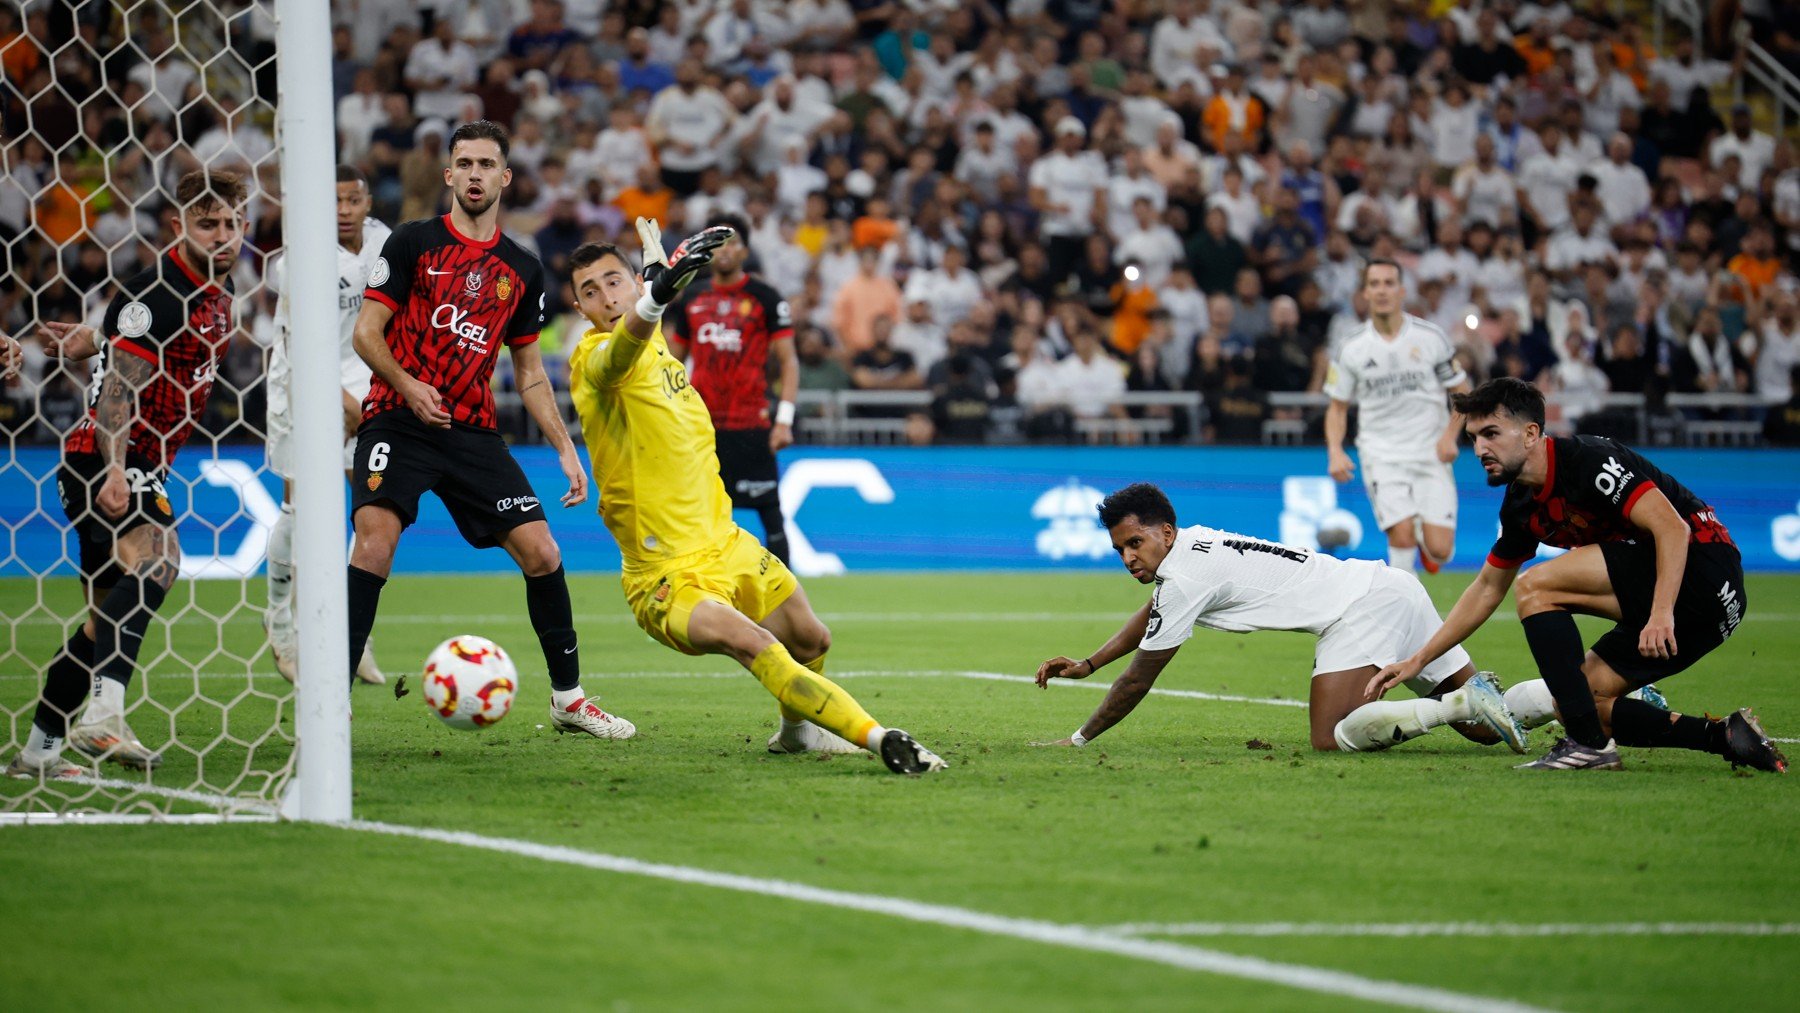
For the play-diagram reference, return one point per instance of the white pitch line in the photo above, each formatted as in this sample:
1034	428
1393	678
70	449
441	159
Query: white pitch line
1485	929
1312	979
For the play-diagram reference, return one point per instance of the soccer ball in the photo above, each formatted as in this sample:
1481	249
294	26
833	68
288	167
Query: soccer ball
470	682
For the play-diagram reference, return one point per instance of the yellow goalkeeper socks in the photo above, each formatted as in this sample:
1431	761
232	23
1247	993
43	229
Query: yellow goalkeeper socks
806	695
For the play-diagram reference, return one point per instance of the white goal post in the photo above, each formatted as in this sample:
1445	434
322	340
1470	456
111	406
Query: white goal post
321	789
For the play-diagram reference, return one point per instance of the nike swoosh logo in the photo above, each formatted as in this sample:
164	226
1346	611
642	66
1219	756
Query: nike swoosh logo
435	274
206	330
570	651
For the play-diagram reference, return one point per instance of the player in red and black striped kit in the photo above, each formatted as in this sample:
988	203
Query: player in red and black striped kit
1643	551
445	295
727	328
157	351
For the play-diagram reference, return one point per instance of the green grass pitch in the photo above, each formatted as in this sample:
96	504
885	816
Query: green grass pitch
1167	819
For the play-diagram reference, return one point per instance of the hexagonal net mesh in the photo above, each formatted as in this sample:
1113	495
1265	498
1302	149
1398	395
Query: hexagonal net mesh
109	110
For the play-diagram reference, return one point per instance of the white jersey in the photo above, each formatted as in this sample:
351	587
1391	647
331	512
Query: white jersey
353	278
1239	584
1398	387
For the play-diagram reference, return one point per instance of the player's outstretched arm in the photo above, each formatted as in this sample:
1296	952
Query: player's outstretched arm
370	340
1122	698
664	281
1478	602
540	401
1129	636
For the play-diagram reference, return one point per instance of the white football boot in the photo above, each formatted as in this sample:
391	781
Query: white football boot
110	738
585	717
810	738
367	672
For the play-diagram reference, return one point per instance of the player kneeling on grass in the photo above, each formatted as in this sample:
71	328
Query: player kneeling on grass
696	581
1644	551
1364	613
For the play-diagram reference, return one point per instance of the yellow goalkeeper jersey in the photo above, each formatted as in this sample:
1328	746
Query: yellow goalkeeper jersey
650	438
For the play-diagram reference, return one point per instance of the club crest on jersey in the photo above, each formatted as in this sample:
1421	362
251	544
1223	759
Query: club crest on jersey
503	289
472	282
374	482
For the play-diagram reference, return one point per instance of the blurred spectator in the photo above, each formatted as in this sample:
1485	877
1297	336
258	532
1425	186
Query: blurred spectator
1068	189
1718	364
1774	348
687	123
1284	359
881	366
1781	427
863	299
440	69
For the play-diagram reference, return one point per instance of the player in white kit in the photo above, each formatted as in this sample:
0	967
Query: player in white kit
1361	611
1398	370
360	239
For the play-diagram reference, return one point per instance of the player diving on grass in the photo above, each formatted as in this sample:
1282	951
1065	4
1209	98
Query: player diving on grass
1644	551
696	581
1364	613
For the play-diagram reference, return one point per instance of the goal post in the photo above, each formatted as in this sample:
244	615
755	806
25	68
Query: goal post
321	791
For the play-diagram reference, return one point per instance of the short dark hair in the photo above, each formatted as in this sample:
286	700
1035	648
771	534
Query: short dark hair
205	189
1142	500
483	130
1399	272
351	174
591	253
1520	400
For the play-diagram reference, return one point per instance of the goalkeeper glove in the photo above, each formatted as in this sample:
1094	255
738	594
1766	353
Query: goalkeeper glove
666	281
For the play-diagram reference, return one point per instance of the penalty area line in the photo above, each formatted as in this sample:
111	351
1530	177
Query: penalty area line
1483	929
1079	937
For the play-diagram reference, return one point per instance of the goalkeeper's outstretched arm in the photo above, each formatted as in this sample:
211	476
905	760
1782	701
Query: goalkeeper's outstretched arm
666	275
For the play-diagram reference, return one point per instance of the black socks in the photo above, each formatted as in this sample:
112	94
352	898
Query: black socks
120	621
65	684
364	598
1556	646
547	602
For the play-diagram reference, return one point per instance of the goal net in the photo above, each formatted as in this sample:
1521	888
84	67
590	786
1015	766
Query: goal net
106	106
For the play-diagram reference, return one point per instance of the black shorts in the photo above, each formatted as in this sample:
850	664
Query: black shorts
399	459
1708	606
78	486
748	467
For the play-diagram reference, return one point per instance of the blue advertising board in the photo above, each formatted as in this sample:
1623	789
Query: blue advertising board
893	508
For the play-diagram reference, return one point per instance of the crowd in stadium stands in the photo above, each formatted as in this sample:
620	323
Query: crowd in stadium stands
1024	208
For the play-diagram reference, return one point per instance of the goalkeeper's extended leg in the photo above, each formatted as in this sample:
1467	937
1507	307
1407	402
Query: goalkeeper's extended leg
806	637
719	629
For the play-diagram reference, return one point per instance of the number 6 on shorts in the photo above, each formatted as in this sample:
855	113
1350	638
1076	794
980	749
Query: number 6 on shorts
378	457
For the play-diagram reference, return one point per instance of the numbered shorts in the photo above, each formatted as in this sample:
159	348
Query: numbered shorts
78	486
1422	489
747	466
399	460
1708	606
1388	624
280	436
741	574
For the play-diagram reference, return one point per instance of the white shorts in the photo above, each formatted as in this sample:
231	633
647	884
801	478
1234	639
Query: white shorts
1422	489
1388	624
280	436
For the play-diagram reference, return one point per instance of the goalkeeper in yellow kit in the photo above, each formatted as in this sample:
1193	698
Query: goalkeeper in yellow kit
694	579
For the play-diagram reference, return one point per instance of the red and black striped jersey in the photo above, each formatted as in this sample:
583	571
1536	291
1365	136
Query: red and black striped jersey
727	330
455	302
1589	489
178	321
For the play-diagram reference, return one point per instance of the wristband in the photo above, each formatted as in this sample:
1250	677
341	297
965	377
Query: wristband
1078	739
1089	662
784	413
648	309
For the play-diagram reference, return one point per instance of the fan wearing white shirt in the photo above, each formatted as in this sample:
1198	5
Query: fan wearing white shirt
1151	243
951	289
360	239
1068	188
1398	369
1623	188
687	122
1359	610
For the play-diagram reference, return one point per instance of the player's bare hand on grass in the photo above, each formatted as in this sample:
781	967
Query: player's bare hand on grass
1058	742
1658	637
780	437
115	493
67	341
1062	668
427	404
1391	676
1448	448
1342	468
577	476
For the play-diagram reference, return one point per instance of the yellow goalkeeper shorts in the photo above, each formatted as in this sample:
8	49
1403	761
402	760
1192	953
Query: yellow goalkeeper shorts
740	573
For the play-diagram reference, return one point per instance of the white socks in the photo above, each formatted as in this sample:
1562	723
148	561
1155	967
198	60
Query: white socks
1403	559
41	747
563	699
108	700
872	742
281	577
1385	723
1532	703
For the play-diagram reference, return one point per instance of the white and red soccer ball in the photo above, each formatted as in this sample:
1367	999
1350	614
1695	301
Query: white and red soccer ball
470	682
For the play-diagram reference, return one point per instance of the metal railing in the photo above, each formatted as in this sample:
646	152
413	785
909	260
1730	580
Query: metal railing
1760	65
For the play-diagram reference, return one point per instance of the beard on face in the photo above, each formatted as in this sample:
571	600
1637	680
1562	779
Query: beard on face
1507	474
475	210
